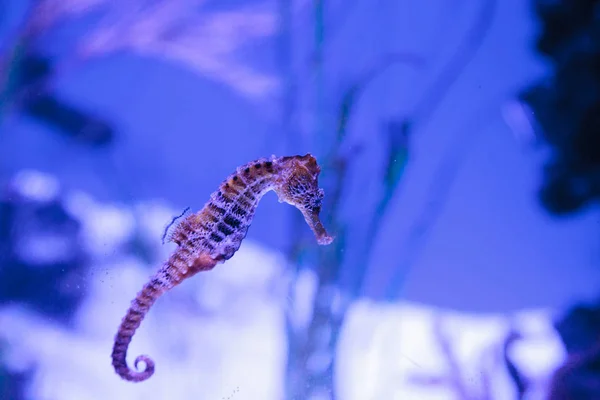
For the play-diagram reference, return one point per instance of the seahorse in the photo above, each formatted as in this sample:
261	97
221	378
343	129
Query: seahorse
212	236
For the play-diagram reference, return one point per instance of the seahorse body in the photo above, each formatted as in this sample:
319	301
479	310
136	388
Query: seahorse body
215	233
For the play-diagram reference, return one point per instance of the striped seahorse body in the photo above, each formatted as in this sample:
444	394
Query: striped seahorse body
218	230
215	233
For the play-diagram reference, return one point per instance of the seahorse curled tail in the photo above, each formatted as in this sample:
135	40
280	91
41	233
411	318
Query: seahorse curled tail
175	270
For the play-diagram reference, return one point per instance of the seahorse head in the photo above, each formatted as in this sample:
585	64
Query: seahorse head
298	185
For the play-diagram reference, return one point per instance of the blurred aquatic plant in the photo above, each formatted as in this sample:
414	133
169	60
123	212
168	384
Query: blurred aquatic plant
452	161
311	360
209	42
562	112
579	376
490	366
563	108
24	77
452	377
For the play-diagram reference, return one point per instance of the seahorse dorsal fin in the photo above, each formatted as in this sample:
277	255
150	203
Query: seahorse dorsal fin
168	232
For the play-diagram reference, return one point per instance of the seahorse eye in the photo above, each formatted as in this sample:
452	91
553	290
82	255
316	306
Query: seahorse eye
313	200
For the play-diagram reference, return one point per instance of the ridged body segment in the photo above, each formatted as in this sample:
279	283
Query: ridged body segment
220	227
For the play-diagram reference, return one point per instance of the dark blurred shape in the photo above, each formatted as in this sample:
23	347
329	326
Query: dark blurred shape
42	258
579	377
567	190
579	329
69	120
518	379
13	384
566	105
32	75
563	24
